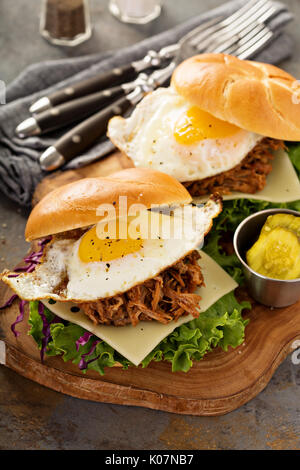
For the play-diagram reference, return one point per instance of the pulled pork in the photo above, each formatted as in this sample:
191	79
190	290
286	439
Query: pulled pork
164	298
247	177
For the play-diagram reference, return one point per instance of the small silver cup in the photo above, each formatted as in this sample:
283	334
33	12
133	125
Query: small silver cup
267	291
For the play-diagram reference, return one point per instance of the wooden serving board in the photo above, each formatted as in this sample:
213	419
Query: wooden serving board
220	383
114	162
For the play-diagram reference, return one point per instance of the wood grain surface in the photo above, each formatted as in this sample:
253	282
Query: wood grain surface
114	162
220	383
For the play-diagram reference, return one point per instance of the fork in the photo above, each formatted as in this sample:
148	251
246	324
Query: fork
87	97
254	11
241	35
151	60
217	33
243	45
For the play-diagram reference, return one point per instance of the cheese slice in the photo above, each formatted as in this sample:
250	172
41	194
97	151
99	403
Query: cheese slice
136	342
282	185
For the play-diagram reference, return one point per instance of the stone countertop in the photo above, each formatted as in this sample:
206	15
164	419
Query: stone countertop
34	417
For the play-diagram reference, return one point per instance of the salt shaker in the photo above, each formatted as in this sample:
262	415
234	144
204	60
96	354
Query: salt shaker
135	11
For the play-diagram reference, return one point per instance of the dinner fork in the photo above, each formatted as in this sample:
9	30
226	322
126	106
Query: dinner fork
255	11
153	59
68	105
215	35
83	135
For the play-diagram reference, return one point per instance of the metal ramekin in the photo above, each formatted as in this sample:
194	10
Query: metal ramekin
267	291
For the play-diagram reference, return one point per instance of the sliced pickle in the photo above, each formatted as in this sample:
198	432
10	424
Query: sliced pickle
288	221
276	254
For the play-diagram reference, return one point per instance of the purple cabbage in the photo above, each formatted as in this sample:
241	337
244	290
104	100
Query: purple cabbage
46	329
83	340
9	302
32	260
83	363
20	318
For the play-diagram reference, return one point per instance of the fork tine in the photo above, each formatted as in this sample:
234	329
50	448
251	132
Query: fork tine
243	30
253	46
257	46
229	20
237	39
248	42
266	11
251	13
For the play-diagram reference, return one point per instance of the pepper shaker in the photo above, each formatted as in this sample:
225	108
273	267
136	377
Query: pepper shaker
65	22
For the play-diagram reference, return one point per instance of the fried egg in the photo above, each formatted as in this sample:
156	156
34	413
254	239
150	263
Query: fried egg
169	134
95	266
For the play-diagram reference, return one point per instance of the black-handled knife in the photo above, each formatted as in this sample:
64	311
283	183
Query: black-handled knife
85	133
71	111
104	80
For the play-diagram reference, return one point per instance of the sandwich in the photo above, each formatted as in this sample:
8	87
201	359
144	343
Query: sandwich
216	127
113	256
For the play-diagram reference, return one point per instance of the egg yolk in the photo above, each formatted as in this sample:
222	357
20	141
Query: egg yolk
92	248
196	124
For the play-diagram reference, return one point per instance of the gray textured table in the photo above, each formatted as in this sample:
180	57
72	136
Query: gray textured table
33	417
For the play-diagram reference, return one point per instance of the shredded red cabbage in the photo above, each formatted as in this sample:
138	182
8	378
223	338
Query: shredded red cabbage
9	302
45	240
20	317
83	363
45	330
32	260
83	339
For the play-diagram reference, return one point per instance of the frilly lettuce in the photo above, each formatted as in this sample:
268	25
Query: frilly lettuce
233	213
221	325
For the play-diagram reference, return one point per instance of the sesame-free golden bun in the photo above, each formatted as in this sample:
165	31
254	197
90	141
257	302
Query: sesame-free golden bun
75	205
257	97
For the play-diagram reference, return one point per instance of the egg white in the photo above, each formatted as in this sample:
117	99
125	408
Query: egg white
97	280
147	137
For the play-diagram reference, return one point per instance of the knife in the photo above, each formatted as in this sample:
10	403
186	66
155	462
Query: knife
75	110
84	134
99	82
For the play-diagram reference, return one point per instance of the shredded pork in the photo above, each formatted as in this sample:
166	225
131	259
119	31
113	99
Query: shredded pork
164	298
247	177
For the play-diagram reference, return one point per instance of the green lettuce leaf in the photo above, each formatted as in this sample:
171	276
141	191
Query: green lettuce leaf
294	154
36	323
233	213
221	325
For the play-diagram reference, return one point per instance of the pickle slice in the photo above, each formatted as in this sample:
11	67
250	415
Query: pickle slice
276	254
288	221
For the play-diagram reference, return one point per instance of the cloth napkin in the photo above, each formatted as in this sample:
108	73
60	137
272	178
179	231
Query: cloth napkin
19	159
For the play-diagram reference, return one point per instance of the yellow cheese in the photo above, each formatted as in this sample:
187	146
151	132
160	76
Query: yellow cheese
136	342
282	185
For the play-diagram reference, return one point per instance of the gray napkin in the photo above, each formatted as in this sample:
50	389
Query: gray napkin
19	159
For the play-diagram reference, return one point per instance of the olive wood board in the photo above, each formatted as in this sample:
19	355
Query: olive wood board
218	384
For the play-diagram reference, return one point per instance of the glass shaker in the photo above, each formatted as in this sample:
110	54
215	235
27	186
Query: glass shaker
65	22
135	11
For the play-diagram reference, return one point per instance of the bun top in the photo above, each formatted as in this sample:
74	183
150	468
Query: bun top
257	97
75	205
